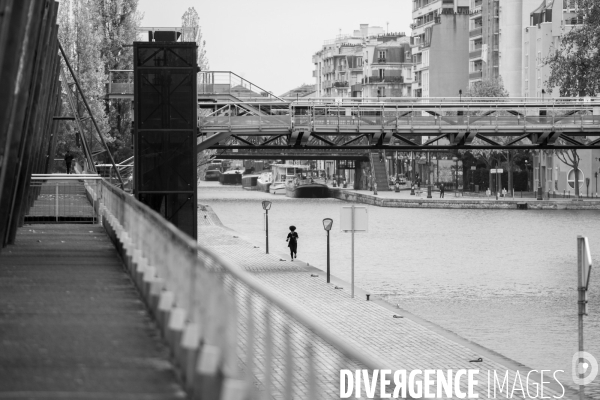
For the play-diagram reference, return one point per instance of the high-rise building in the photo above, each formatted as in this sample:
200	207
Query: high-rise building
440	47
495	41
548	22
367	63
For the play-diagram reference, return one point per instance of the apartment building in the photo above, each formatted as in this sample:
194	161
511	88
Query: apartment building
367	63
548	22
495	41
440	47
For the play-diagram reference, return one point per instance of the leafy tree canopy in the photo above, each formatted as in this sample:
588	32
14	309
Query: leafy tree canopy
574	66
493	87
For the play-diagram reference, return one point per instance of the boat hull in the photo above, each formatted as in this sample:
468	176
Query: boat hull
263	187
310	191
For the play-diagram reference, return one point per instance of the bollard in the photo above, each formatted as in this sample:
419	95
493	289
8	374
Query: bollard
375	188
368	297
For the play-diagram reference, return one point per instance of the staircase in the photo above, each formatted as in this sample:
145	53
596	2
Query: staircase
379	169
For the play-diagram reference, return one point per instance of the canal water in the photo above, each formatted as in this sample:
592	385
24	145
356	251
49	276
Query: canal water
505	279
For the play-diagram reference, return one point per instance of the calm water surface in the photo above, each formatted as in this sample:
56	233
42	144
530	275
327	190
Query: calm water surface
503	279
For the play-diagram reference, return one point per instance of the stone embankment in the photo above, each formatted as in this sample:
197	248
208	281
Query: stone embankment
391	199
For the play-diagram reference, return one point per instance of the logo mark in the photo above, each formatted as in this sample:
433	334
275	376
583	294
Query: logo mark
584	368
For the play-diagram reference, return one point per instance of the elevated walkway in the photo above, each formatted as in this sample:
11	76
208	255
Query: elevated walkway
72	323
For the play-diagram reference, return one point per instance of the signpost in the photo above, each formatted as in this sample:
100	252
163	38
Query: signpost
353	219
584	268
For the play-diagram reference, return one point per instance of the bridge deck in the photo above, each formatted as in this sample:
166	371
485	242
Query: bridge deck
72	324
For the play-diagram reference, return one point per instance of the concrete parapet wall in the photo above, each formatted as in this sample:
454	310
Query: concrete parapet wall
460	203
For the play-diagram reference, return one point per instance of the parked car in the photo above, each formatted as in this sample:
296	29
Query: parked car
212	174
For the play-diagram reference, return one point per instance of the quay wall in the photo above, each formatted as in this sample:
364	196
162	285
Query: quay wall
460	203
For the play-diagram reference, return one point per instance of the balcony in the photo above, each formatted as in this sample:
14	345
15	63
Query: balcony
476	74
475	32
475	54
340	84
356	88
327	84
381	60
385	79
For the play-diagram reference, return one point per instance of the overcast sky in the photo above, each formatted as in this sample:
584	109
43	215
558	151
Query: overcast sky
271	42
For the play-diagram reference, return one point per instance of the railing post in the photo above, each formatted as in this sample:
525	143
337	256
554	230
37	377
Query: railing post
56	201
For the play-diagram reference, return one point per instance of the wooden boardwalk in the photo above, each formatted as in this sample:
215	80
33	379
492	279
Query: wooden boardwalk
72	325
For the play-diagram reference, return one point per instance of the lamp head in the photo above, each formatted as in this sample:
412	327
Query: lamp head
266	205
327	224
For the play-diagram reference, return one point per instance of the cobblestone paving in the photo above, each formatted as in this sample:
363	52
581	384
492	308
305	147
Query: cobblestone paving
404	343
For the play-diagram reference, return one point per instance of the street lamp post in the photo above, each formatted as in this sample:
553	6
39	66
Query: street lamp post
266	206
327	224
539	191
527	171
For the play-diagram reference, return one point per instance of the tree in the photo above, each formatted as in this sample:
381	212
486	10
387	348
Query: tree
493	87
192	32
76	21
117	24
574	66
571	158
96	36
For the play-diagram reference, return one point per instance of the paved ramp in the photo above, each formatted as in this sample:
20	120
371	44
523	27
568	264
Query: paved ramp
72	326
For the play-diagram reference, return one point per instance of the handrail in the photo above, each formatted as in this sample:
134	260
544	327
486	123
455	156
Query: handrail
210	290
206	73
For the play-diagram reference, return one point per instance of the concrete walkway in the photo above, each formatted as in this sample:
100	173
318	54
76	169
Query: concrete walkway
373	326
72	325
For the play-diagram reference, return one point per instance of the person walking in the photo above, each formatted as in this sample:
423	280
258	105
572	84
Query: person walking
68	160
292	239
442	189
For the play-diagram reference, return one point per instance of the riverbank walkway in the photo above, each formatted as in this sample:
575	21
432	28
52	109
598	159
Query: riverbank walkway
72	324
374	326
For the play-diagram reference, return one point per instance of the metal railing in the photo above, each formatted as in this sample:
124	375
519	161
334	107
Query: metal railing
227	82
225	316
120	83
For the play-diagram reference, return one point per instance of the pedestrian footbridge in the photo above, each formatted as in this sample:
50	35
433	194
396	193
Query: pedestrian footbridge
236	114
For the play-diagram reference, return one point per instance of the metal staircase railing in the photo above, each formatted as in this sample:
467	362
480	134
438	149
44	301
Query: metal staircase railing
227	82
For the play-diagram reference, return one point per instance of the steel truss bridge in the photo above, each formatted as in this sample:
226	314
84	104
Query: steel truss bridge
326	127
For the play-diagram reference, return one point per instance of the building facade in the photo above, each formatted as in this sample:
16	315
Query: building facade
439	47
495	41
367	63
547	23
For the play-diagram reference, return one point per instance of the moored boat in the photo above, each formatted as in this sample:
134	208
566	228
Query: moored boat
306	189
282	174
264	181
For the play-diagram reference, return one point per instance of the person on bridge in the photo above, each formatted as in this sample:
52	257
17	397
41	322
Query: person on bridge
292	239
68	160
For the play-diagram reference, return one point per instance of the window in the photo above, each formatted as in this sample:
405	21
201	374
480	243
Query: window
382	55
381	91
571	178
382	73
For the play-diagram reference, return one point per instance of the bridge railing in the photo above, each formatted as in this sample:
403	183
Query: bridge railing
227	82
217	317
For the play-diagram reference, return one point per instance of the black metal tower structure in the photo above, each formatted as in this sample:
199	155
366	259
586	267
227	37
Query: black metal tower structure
165	129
